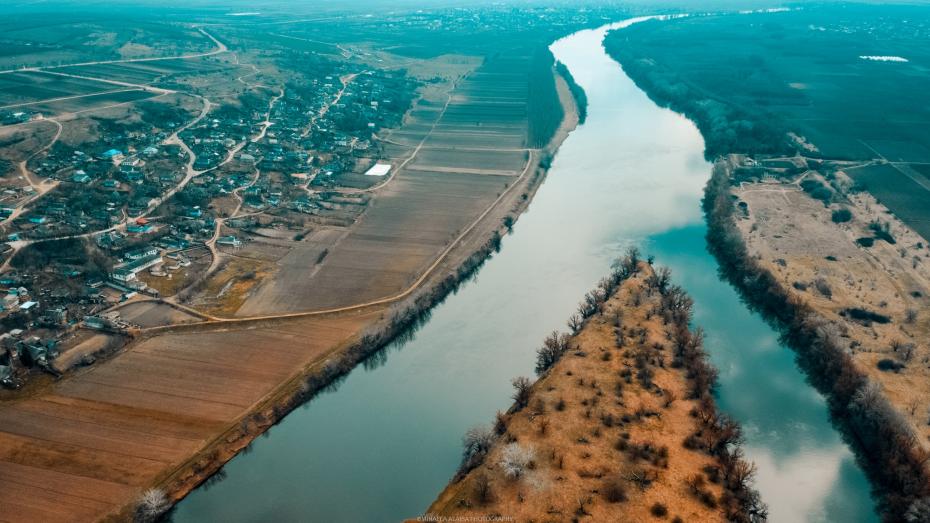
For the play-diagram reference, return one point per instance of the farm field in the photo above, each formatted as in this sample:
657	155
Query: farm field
908	199
410	223
505	163
152	314
17	89
427	204
150	409
797	71
147	72
102	33
90	102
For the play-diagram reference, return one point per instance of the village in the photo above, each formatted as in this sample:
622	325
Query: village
141	208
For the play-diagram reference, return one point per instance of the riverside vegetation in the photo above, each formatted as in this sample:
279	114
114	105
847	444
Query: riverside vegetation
884	439
620	426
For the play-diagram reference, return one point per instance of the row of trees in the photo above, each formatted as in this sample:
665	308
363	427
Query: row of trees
882	437
544	109
581	98
717	434
725	127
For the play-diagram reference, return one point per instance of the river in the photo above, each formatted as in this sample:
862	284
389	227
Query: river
385	442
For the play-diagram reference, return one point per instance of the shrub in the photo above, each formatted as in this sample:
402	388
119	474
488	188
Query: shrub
887	364
613	490
882	231
823	194
554	347
659	510
865	316
823	288
841	216
475	446
865	241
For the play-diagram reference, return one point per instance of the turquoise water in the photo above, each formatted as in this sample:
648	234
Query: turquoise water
385	442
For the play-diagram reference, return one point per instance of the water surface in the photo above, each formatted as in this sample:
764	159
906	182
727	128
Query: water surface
387	440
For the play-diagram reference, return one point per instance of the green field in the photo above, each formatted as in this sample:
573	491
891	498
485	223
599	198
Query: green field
908	199
28	87
748	79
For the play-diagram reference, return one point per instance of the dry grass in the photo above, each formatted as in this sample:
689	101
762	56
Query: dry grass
793	235
606	446
228	289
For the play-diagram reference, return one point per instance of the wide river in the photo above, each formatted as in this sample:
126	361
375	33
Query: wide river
382	445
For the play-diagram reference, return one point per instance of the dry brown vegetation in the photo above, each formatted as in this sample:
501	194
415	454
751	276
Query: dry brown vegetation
97	440
855	314
619	427
460	148
171	409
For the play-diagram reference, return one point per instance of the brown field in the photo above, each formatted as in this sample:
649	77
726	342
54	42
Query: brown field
584	427
169	409
493	162
93	442
153	314
793	235
228	289
426	205
408	225
22	141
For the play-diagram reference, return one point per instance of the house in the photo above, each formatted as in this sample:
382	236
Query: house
80	177
135	228
378	169
141	252
113	155
127	271
229	240
174	243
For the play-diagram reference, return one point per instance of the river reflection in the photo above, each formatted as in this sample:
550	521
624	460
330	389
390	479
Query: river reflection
381	446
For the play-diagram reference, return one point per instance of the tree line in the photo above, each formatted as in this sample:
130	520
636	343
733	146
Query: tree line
885	443
725	127
544	109
581	98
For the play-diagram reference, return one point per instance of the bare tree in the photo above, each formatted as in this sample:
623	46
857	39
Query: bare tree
475	445
575	322
152	504
521	393
515	459
554	346
660	279
482	489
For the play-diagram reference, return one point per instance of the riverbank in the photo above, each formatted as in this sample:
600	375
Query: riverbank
325	371
580	443
884	441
